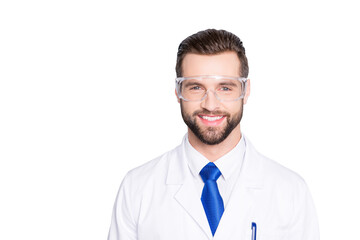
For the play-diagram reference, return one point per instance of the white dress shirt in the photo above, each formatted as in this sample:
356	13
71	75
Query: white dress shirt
229	166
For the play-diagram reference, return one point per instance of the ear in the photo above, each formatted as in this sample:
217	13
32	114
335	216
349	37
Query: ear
178	99
247	93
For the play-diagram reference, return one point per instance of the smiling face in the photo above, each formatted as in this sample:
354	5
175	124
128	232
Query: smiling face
211	120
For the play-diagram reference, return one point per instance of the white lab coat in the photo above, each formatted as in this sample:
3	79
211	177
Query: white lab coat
159	201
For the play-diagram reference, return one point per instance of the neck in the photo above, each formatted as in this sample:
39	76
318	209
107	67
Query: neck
214	152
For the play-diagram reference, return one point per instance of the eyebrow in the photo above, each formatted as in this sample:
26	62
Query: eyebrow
224	83
192	83
228	84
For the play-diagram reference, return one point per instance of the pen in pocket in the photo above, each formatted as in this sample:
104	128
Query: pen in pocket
253	230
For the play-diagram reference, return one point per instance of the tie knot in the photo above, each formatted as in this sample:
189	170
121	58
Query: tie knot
210	172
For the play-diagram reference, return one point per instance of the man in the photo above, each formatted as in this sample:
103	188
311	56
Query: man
215	185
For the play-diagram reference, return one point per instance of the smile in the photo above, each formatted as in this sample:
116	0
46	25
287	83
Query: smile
211	119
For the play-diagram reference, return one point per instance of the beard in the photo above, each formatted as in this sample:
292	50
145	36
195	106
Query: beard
211	135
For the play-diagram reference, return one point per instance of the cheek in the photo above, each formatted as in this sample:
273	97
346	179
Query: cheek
234	111
234	107
188	107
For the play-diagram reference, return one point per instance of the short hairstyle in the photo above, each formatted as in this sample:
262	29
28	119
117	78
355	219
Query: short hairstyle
211	42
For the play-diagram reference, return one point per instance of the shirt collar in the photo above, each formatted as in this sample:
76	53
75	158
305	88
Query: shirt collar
226	164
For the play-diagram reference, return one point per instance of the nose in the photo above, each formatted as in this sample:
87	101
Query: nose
211	103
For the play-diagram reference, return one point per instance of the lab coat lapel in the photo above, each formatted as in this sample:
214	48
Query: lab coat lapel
188	199
240	209
187	195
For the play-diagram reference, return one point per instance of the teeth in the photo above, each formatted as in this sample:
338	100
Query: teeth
211	118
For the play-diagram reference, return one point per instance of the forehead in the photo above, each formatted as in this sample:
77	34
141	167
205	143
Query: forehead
226	64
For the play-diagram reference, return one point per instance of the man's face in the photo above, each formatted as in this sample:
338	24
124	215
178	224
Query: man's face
210	120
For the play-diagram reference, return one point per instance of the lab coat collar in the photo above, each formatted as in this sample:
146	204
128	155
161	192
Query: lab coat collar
252	172
252	168
179	173
251	176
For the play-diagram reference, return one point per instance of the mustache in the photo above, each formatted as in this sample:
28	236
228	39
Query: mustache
206	112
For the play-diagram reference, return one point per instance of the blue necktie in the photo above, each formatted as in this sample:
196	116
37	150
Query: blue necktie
210	198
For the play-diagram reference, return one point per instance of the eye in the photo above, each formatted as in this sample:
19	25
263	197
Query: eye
225	89
195	88
192	86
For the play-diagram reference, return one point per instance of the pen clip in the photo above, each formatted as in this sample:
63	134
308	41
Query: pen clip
253	230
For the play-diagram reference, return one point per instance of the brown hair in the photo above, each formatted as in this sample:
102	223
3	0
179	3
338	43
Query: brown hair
209	42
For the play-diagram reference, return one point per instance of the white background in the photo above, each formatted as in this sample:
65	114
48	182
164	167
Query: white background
87	93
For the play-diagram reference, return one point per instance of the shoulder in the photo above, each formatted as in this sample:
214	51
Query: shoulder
138	184
273	173
282	177
153	170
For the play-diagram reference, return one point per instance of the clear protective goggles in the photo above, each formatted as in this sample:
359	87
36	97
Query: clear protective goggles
225	88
